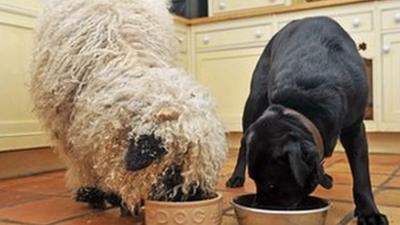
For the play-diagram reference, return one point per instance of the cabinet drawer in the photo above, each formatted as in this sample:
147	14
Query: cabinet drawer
182	41
234	36
221	6
355	22
391	18
182	60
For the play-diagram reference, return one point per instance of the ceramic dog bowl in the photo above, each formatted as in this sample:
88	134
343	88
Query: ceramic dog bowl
313	212
205	212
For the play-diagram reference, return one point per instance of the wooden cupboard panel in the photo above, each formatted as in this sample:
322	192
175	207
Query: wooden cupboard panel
391	80
241	35
390	18
355	22
227	74
224	6
18	125
351	22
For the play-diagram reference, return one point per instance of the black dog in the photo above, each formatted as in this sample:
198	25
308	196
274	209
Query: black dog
308	89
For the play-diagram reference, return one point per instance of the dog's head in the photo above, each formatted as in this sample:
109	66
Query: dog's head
283	159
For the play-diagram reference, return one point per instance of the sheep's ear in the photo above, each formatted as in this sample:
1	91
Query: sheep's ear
143	152
167	114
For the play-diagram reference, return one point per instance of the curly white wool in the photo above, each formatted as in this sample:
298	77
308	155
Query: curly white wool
101	72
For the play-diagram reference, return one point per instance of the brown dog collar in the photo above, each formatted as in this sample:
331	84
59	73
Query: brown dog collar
310	127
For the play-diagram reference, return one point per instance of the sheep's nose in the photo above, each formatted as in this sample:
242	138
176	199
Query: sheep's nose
143	152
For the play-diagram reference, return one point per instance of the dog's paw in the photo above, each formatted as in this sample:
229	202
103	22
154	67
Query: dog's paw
375	219
235	182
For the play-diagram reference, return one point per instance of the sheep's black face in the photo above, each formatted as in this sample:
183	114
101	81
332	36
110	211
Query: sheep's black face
166	187
143	151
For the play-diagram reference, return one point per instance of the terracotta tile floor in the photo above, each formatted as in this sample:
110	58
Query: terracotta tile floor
43	199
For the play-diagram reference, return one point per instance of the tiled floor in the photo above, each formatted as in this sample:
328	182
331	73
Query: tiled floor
43	199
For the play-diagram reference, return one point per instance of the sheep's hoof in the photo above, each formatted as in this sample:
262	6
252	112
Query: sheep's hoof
91	195
113	199
125	212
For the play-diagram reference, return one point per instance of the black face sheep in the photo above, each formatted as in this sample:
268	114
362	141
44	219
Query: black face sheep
127	123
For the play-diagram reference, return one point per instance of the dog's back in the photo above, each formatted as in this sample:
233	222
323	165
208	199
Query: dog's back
312	65
315	59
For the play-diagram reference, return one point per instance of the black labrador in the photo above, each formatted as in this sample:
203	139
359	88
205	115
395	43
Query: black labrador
308	89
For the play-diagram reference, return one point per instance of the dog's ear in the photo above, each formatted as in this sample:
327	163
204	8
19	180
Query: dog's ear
252	154
143	152
322	178
297	162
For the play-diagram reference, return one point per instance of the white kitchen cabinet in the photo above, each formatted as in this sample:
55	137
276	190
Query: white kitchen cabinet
19	128
391	81
221	54
231	37
182	35
391	18
227	75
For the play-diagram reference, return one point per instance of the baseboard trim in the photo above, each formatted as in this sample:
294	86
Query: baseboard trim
28	162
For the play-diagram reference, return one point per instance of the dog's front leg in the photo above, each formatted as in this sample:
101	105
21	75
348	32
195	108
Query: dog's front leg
237	178
355	143
255	106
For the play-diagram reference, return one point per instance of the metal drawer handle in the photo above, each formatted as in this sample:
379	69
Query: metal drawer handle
386	49
356	22
222	6
397	17
206	40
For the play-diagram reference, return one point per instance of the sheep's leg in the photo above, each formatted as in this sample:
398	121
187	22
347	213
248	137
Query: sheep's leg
91	195
113	199
125	212
138	214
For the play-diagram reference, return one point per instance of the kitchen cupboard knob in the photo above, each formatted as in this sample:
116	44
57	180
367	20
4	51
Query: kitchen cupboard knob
222	6
258	34
386	49
362	46
356	22
397	17
206	40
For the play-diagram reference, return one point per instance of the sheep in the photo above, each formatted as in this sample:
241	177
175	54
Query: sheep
127	122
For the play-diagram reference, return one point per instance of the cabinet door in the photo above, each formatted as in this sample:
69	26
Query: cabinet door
182	36
227	74
19	128
391	81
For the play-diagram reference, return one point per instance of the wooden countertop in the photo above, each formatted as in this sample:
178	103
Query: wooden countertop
266	11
